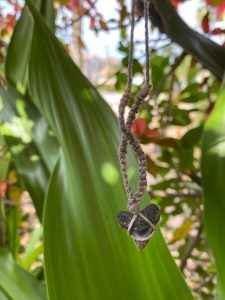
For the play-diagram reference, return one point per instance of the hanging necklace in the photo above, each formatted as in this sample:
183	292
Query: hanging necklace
140	225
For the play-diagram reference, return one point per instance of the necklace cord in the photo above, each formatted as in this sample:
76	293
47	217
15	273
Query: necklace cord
125	126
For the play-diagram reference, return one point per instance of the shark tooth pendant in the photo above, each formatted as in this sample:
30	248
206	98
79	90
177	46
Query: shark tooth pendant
141	231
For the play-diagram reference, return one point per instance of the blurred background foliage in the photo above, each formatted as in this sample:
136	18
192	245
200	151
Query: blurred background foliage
187	71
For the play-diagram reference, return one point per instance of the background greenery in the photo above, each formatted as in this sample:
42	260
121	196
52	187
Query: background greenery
59	142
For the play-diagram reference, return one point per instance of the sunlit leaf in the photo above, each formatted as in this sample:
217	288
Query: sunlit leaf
87	255
183	230
33	249
213	171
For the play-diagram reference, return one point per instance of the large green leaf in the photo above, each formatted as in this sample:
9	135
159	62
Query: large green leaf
35	160
16	61
87	255
35	173
213	171
210	54
19	47
17	283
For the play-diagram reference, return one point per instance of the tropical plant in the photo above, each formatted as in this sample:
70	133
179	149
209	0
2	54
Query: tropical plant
60	141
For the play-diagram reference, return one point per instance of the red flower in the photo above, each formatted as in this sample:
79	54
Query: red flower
139	127
3	188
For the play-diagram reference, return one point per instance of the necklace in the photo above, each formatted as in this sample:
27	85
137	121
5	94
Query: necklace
140	225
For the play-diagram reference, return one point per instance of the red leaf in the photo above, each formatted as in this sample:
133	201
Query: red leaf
139	127
92	24
205	23
217	31
3	188
152	133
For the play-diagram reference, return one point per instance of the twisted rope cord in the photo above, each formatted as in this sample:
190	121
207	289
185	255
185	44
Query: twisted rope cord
127	137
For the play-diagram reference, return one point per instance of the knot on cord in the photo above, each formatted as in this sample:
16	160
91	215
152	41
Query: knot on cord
134	207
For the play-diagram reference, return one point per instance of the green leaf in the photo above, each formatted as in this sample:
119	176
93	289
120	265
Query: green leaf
13	218
8	110
185	156
4	166
35	173
19	51
191	88
158	64
180	116
121	81
33	249
193	97
192	137
48	12
163	185
87	255
213	172
17	283
35	161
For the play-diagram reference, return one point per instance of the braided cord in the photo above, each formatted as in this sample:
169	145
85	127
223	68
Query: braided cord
125	126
